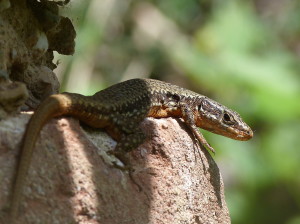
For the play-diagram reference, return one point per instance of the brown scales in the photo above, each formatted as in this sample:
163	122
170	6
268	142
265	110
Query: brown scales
120	108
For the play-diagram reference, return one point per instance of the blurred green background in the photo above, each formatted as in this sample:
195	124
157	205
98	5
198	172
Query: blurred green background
244	54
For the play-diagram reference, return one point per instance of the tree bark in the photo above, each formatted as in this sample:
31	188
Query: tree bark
72	180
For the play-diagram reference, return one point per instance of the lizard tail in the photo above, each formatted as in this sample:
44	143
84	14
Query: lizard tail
53	106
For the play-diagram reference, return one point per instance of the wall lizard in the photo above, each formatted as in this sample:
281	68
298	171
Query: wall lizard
120	109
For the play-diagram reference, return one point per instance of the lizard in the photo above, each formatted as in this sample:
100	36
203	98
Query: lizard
120	109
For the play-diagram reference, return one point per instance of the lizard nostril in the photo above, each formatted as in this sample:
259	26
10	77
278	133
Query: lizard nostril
250	133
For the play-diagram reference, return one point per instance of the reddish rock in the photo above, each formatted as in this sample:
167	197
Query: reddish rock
71	179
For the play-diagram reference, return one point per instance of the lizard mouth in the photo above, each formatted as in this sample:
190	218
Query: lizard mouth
242	134
245	135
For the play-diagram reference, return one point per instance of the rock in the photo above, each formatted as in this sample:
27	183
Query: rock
71	179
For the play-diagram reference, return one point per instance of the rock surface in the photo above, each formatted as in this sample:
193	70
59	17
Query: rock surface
29	33
71	179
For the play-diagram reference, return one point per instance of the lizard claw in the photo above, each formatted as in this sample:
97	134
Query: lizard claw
210	148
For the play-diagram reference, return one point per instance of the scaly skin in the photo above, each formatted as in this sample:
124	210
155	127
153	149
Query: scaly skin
120	109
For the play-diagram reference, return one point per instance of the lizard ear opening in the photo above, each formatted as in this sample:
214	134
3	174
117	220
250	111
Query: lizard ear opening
202	106
199	107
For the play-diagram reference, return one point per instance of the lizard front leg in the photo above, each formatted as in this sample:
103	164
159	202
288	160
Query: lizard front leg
189	118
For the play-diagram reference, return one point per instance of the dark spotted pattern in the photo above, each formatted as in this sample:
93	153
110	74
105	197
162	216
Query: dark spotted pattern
120	109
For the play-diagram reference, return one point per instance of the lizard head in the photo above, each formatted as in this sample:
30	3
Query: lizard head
218	119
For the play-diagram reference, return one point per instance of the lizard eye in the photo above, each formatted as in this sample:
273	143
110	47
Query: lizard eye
227	118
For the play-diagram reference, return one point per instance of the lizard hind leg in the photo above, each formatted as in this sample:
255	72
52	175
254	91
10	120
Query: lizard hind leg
130	137
127	143
130	141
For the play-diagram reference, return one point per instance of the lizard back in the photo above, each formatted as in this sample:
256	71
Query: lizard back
146	93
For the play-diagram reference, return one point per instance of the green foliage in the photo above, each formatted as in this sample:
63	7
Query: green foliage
241	53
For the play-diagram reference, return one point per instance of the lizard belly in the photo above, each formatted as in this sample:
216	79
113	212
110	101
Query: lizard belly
105	124
161	112
94	120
